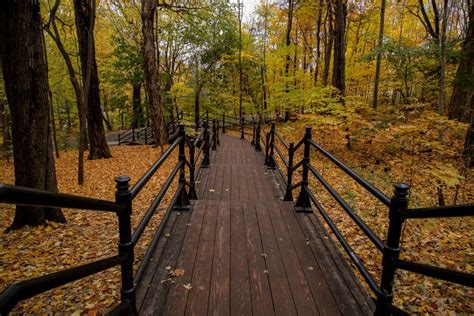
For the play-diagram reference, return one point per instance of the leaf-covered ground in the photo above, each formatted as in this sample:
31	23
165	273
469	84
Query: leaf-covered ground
87	236
423	150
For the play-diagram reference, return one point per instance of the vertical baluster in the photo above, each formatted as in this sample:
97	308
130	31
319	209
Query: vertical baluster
241	127
214	135
271	164
257	137
218	141
303	203
123	196
223	123
391	251
254	127
205	160
192	190
182	202
289	180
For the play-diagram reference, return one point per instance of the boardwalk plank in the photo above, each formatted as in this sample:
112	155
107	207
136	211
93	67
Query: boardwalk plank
240	299
219	297
203	265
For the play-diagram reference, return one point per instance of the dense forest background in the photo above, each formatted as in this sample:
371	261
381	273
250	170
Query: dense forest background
291	55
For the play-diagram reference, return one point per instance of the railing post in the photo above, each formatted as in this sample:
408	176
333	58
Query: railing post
182	114
182	202
253	133
118	136
223	123
267	147
391	251
289	180
205	160
214	135
241	127
146	136
271	164
303	203
207	117
257	137
133	134
218	141
123	196
192	190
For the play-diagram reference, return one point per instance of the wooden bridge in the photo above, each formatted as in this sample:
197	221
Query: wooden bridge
245	251
232	241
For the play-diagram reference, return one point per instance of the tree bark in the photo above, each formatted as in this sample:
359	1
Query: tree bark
239	4
318	41
339	63
151	72
84	14
378	65
328	41
442	75
26	85
463	86
289	25
138	118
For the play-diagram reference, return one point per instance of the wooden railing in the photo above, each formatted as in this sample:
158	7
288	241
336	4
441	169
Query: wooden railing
397	206
192	163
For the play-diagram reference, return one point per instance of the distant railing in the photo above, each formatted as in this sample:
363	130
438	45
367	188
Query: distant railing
123	208
397	204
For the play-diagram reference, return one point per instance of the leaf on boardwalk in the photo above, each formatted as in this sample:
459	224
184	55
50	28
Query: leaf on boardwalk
187	286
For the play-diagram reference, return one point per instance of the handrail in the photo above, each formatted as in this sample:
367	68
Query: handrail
362	225
147	176
29	288
283	159
15	195
364	183
443	211
355	259
281	140
458	277
157	236
152	208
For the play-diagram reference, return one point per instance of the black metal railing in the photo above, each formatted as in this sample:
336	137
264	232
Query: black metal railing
122	206
275	155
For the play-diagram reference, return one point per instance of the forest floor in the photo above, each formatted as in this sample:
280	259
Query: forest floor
87	236
416	147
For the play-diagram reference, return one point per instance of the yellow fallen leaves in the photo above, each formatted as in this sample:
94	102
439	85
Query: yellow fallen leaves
87	236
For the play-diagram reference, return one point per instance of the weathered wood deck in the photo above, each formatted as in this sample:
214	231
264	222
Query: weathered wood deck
246	252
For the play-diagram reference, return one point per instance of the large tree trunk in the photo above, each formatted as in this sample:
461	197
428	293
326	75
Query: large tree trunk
318	41
151	72
84	21
469	142
463	87
26	85
378	65
339	64
328	41
289	25
138	118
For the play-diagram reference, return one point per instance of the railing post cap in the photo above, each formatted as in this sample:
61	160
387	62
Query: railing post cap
181	127
308	129
401	189
122	183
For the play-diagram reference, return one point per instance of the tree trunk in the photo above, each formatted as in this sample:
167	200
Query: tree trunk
469	142
26	86
84	15
318	41
442	75
328	41
240	57
375	101
463	86
151	72
138	118
289	25
339	63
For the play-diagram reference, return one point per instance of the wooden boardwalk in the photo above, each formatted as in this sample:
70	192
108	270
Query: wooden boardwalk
244	251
